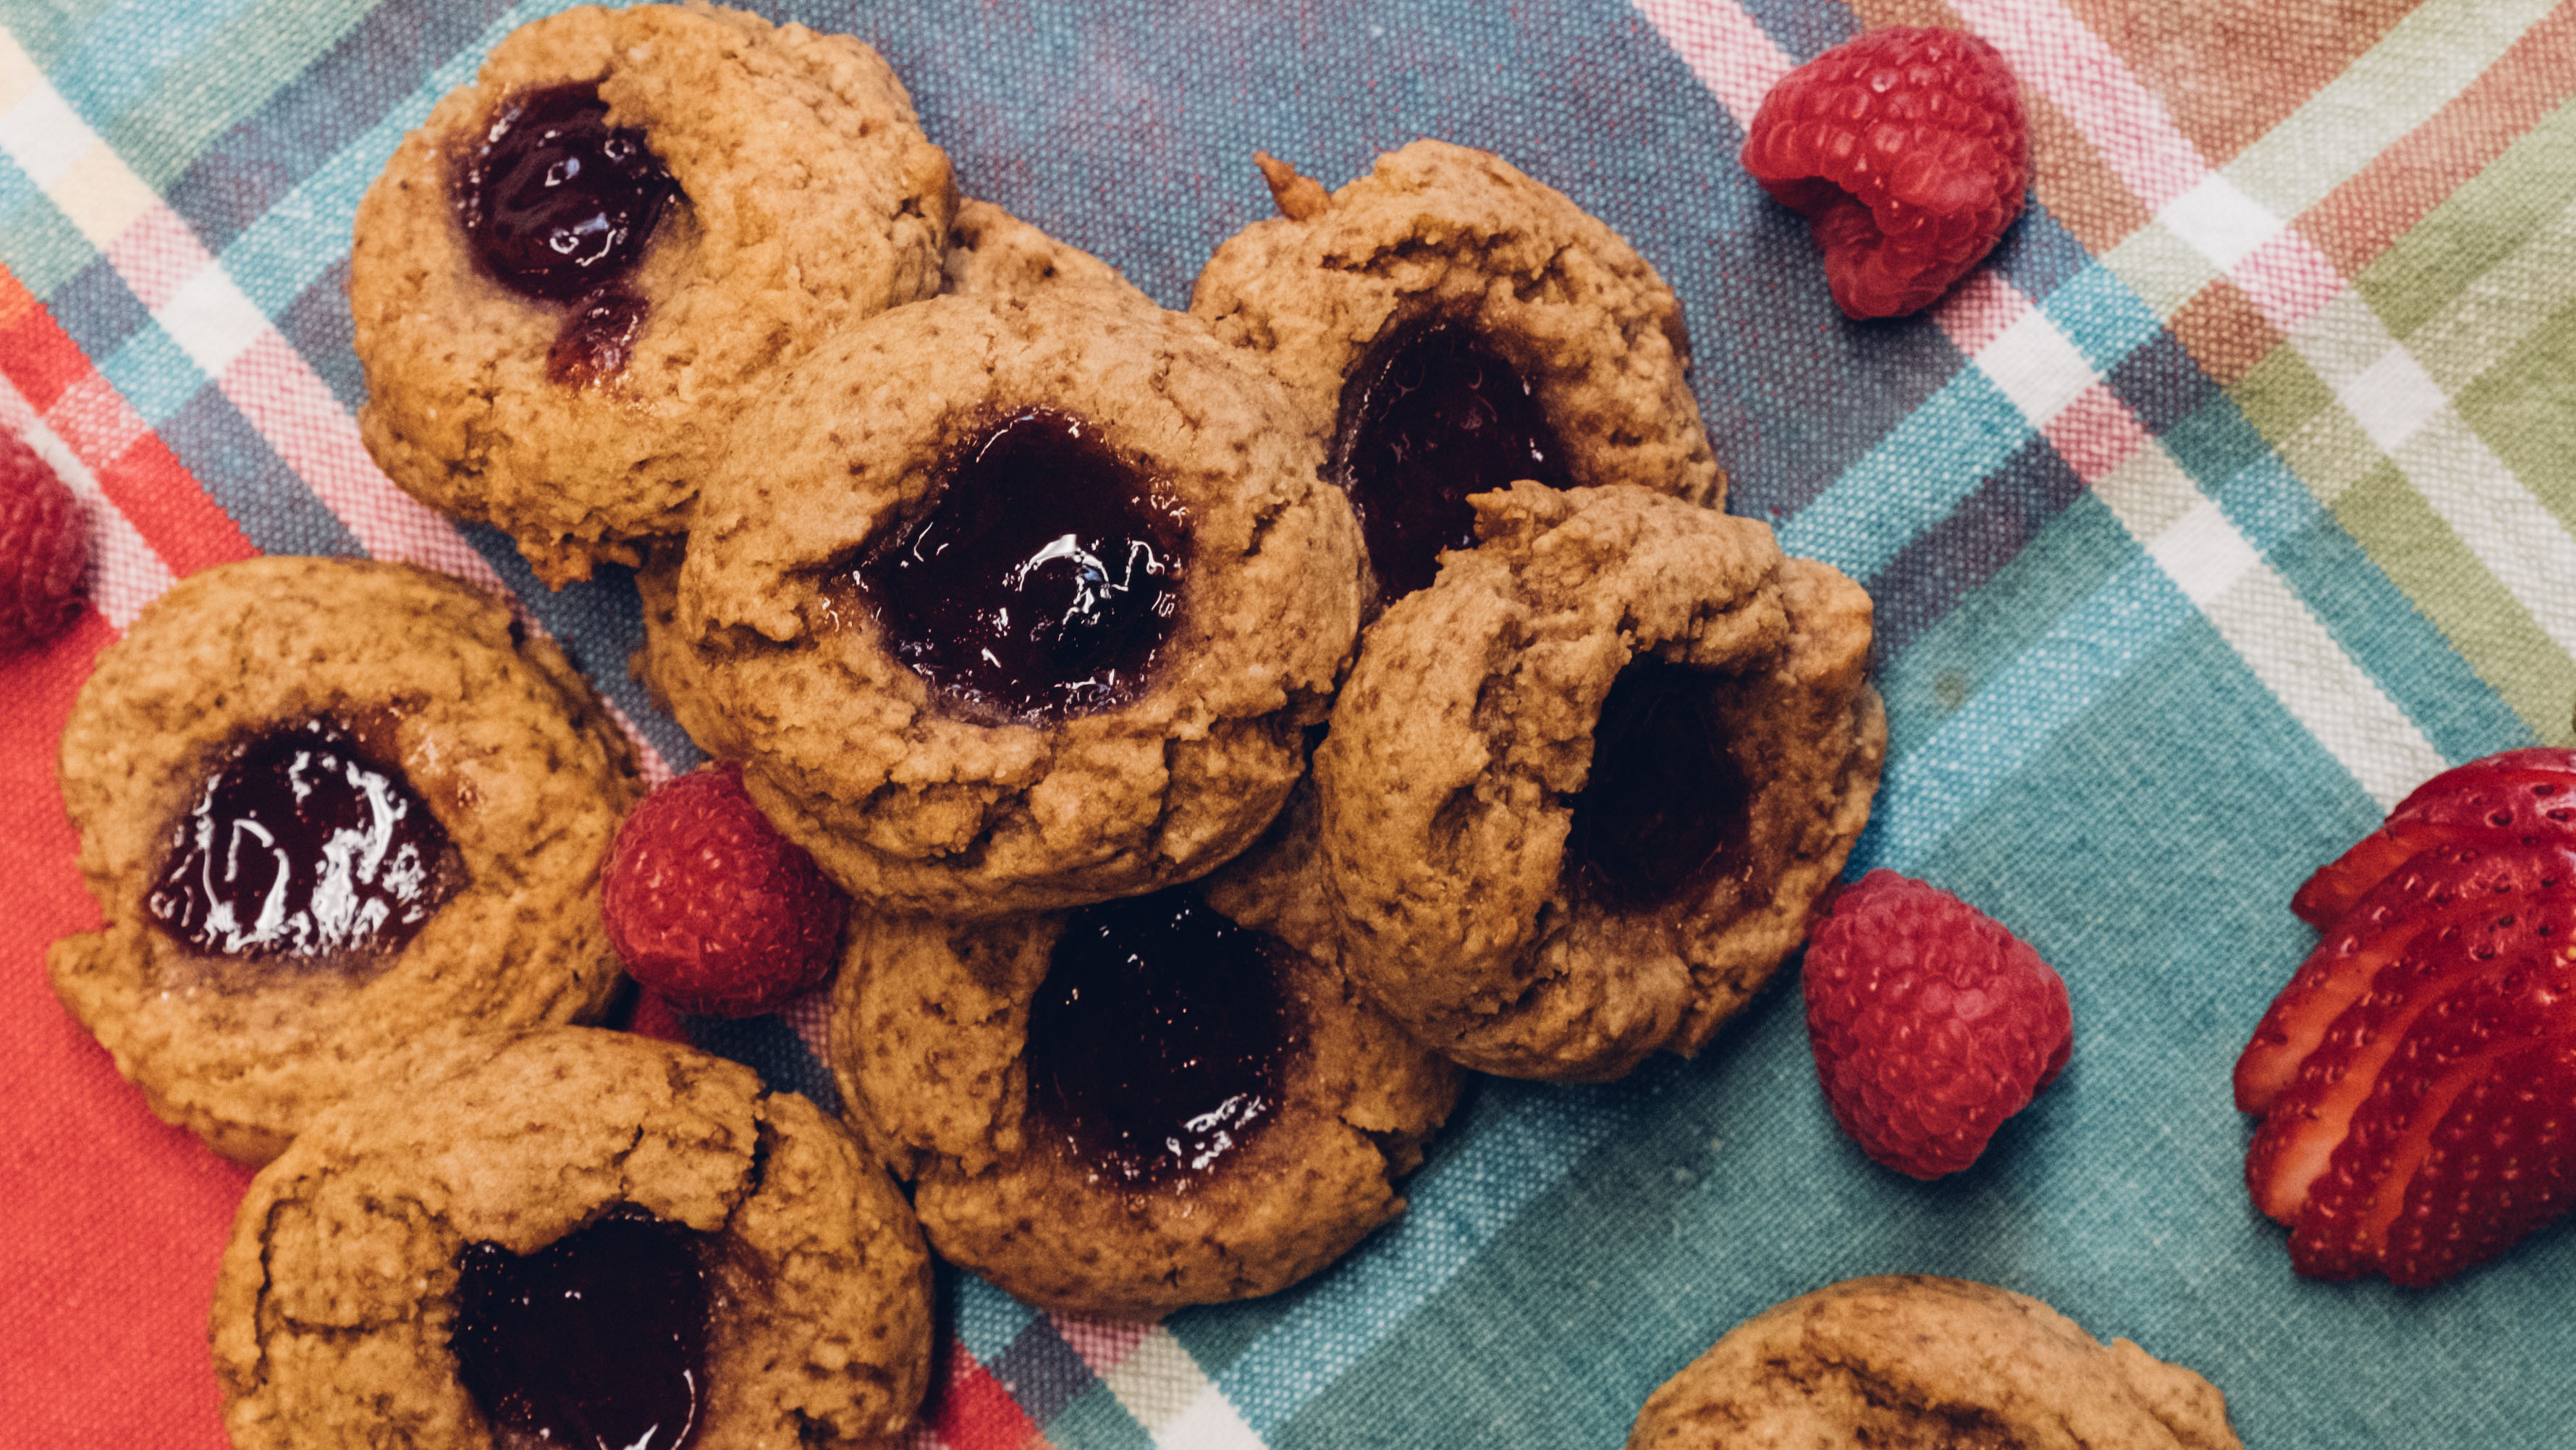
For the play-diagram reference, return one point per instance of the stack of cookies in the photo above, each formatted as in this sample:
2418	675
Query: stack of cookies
1232	726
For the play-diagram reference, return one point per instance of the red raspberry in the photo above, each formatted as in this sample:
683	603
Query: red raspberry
710	906
1931	1023
44	548
1906	151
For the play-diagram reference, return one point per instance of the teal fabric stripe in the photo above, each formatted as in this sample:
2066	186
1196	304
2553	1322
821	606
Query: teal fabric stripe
1458	1205
1933	787
125	49
987	1319
1917	473
306	232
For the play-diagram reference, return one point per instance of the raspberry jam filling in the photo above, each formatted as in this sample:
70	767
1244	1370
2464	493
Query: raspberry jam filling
306	845
1042	580
1431	415
598	1341
1159	1041
557	203
1666	809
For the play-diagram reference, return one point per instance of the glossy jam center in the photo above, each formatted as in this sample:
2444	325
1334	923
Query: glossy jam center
1158	1043
557	203
598	1341
1042	580
1664	811
1432	415
304	844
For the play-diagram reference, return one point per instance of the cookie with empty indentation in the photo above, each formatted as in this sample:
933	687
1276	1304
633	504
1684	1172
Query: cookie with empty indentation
576	1237
1909	1359
1581	793
1013	600
568	281
336	812
1137	1105
1447	326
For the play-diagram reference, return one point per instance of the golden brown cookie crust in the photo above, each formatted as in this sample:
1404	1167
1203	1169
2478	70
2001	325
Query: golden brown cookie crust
995	255
1910	1360
514	755
906	801
1443	229
1465	731
810	200
929	1025
332	1311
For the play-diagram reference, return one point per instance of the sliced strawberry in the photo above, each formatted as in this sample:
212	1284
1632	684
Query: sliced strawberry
2524	796
2502	1163
2443	891
2525	994
2304	1135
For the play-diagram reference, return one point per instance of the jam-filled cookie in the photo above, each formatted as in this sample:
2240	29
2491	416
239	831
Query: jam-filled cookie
1448	326
335	812
572	277
1580	793
1015	603
577	1238
1913	1360
1137	1105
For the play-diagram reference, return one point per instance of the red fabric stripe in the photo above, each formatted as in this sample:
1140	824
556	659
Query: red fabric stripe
973	1412
139	474
116	1220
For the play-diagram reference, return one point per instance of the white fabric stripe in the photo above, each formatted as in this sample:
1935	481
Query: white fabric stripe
2321	686
1163	1389
2211	561
125	572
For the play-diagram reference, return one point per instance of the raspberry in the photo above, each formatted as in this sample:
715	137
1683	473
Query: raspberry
44	548
1907	152
1930	1021
710	906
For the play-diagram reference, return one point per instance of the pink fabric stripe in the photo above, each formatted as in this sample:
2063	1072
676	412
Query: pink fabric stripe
2289	279
1725	47
274	388
1979	310
1104	1344
95	420
156	255
2096	433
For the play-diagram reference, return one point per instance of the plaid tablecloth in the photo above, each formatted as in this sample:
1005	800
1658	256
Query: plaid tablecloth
2232	499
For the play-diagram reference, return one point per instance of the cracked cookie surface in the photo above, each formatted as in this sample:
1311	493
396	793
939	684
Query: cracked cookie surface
933	1049
338	1292
806	198
1534	901
1442	235
501	740
921	793
1911	1360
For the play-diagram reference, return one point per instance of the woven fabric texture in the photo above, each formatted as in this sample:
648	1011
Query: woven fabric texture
2230	499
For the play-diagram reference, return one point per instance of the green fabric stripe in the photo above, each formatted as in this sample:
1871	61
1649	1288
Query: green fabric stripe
2477	228
48	31
258	53
2524	407
2495	316
2499	639
2417	67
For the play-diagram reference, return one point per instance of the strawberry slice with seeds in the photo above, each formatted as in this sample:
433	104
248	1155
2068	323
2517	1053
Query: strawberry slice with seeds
2520	796
2435	1083
2306	1133
2445	890
2500	1165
